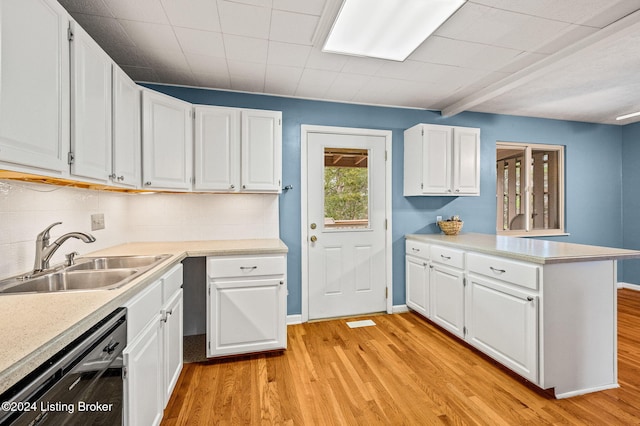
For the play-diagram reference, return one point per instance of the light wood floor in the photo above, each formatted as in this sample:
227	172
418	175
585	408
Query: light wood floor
403	371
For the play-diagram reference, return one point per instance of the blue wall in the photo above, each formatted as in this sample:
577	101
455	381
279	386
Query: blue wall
631	198
593	171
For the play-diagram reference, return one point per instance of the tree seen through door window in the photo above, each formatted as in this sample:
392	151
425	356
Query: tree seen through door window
346	188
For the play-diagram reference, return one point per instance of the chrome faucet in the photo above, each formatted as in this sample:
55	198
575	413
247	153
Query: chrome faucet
44	251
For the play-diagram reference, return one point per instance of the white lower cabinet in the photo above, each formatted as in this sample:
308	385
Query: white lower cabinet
418	285
447	298
502	321
246	304
153	356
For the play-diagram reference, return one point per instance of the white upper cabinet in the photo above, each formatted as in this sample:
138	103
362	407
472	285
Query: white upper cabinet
34	87
441	160
126	131
167	142
91	142
217	148
261	150
237	149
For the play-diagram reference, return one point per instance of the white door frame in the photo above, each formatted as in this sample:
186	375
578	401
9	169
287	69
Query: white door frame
305	129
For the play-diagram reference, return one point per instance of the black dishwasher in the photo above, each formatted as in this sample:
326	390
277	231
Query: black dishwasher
80	385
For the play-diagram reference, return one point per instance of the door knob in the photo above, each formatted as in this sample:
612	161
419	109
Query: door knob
314	238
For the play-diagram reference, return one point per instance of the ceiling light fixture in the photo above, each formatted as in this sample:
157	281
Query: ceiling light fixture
386	29
624	117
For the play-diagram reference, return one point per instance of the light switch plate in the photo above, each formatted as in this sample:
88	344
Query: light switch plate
97	221
438	219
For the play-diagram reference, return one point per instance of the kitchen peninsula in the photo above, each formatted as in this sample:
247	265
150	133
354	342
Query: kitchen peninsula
546	310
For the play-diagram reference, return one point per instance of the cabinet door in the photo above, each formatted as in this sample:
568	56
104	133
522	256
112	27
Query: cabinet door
126	130
503	323
466	165
172	341
417	279
447	298
217	149
246	316
143	378
167	144
261	150
90	108
436	159
34	86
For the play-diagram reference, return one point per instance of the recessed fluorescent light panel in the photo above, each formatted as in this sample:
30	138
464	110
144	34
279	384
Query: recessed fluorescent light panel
624	117
386	29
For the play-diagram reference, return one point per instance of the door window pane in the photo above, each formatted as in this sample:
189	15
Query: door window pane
346	188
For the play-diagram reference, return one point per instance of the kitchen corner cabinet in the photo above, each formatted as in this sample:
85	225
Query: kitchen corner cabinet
237	150
34	83
167	144
153	356
91	109
125	171
441	160
246	304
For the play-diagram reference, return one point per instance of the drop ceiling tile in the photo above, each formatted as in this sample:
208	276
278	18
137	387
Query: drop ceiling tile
162	58
261	3
326	61
346	86
202	64
239	48
375	90
522	61
104	30
141	73
407	70
124	54
287	54
213	81
364	66
460	53
138	10
282	80
244	20
315	83
196	14
176	76
95	7
570	35
292	27
200	42
309	7
151	36
247	70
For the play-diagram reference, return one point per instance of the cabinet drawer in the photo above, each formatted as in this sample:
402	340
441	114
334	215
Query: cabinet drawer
171	283
447	256
142	308
247	266
417	248
511	271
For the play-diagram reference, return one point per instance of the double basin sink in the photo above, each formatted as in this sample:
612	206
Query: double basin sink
89	273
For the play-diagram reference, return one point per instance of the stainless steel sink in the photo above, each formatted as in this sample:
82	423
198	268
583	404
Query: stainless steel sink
90	273
73	280
115	262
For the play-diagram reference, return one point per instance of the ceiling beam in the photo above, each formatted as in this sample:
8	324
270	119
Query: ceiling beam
624	27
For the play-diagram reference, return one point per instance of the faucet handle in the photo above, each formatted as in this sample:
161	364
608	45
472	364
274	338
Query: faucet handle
44	235
71	258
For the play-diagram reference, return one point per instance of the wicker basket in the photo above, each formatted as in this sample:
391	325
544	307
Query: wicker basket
450	227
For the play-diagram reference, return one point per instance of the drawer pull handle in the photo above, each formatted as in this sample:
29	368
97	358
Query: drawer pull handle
248	268
445	257
415	249
530	299
499	271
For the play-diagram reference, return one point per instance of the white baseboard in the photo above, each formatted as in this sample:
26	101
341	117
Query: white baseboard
629	286
294	319
397	309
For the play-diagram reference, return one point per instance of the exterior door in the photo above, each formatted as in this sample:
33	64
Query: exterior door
346	199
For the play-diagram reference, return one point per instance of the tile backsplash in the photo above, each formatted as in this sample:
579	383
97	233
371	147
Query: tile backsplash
27	208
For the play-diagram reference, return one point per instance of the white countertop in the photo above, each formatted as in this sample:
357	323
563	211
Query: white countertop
33	327
527	249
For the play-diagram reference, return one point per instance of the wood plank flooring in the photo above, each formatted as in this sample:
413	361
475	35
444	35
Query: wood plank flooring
403	371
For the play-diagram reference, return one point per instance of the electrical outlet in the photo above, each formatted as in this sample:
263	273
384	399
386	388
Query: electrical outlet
438	219
97	221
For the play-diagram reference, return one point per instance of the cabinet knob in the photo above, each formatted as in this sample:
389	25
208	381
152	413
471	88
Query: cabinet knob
148	183
281	282
121	178
232	186
530	299
112	176
457	189
244	186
